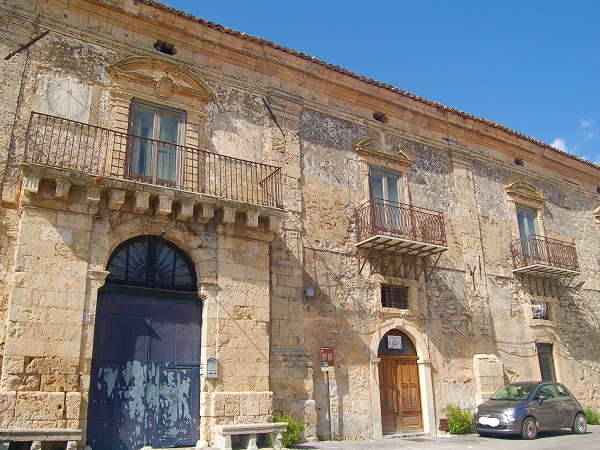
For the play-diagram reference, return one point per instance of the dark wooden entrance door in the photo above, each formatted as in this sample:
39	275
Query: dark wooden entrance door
145	371
400	395
399	389
145	377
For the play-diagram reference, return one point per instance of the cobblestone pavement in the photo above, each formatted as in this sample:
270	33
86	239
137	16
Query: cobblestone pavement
545	441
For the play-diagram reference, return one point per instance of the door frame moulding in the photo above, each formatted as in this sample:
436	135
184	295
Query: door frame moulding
419	340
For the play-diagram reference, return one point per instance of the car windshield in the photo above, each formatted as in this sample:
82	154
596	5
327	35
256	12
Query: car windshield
515	391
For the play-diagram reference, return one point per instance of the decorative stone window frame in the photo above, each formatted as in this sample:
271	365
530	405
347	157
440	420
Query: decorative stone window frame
400	162
522	193
160	82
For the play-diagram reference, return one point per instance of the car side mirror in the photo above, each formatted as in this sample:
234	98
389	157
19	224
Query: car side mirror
541	398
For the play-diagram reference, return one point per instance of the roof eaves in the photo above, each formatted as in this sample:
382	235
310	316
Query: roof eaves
362	78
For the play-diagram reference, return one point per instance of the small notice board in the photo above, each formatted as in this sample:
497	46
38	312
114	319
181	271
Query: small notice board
327	357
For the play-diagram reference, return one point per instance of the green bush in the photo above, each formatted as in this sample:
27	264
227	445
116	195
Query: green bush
295	428
593	416
459	421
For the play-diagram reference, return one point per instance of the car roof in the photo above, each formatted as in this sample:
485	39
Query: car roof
535	383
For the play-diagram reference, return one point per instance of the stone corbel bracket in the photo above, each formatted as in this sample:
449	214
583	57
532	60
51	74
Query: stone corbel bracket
128	196
226	212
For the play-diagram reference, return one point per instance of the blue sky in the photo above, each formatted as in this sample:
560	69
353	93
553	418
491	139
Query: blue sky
530	65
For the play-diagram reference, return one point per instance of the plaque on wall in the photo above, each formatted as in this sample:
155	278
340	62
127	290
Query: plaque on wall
211	368
395	342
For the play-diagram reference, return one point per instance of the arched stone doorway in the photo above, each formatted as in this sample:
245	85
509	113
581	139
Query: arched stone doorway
145	372
399	386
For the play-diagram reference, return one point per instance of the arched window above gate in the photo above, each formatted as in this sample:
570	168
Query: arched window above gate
396	343
151	262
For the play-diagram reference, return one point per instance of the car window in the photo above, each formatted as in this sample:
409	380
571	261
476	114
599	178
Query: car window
562	391
548	390
513	392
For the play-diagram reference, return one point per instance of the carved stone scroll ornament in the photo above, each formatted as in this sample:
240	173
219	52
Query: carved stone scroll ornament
139	73
524	191
401	154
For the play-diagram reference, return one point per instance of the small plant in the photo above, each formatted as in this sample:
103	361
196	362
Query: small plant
295	428
459	421
593	416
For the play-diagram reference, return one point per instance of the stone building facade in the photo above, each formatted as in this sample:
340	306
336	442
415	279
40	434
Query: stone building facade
190	214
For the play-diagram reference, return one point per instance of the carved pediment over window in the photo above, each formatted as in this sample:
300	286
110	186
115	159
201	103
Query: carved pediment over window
524	192
163	78
401	154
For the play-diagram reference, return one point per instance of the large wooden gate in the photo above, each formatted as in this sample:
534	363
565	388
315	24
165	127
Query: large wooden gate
399	386
145	372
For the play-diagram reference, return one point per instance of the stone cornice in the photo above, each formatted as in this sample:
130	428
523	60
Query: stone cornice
317	78
271	61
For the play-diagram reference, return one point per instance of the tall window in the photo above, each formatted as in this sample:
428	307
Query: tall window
527	221
386	186
546	360
386	195
528	226
157	133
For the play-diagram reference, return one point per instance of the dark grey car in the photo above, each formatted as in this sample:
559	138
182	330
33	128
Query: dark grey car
528	407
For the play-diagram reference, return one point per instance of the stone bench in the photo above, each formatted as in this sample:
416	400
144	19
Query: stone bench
249	432
37	436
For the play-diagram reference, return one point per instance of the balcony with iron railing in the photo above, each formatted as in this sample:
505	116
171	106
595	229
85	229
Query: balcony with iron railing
101	152
542	256
389	226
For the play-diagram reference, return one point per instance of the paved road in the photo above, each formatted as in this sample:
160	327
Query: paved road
545	441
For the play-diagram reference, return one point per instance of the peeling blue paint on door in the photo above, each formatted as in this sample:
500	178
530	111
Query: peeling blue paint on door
145	379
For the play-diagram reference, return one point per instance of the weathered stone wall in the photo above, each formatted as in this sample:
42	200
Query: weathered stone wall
345	312
471	305
566	216
45	317
471	321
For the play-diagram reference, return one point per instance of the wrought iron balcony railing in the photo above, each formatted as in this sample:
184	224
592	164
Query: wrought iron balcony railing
553	255
379	217
64	144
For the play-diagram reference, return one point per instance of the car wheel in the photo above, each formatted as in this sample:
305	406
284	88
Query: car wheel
529	430
579	424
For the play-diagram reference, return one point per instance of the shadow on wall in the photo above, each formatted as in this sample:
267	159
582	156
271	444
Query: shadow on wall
578	327
458	322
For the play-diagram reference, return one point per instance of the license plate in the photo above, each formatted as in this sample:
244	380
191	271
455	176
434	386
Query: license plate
490	421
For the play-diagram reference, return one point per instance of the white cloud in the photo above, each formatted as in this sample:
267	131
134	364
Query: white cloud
585	123
560	144
590	135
